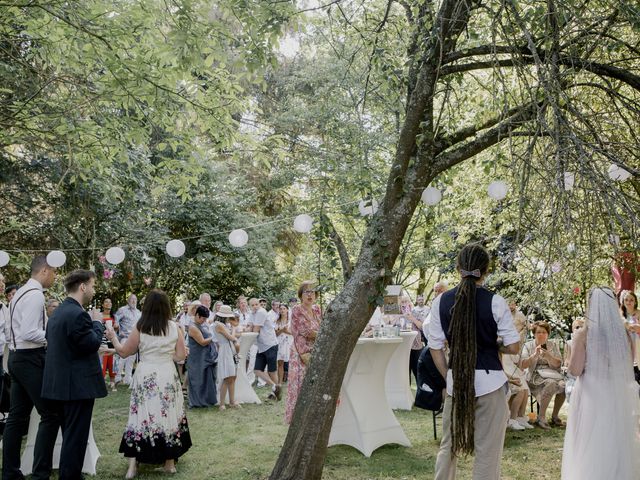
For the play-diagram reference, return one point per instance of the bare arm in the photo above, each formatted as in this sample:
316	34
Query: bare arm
578	353
181	350
196	334
440	361
130	346
225	333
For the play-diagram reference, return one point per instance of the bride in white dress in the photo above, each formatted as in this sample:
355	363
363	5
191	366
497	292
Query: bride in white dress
601	440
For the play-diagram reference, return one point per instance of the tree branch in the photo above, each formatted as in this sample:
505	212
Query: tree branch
345	260
448	159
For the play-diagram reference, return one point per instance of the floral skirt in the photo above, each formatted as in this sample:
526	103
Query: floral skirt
157	429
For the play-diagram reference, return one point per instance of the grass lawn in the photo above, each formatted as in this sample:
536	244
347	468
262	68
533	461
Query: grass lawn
244	444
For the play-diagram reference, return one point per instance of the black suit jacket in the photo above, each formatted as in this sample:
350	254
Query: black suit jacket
72	365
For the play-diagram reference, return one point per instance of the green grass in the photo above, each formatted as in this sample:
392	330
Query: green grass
244	445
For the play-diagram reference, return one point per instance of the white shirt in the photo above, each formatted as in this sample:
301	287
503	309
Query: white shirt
4	319
273	315
486	381
245	318
267	336
29	317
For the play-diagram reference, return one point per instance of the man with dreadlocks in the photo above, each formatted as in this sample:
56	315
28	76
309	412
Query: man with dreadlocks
471	319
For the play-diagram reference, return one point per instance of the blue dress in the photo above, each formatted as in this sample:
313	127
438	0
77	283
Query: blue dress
201	371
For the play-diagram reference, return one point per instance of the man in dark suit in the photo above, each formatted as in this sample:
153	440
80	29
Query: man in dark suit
72	373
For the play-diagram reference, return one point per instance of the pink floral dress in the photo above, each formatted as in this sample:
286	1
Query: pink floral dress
303	324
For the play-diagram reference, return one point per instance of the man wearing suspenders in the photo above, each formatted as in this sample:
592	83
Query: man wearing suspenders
25	332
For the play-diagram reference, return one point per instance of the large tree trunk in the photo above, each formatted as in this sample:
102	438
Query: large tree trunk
303	453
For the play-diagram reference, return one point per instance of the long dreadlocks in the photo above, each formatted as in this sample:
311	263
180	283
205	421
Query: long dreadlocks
472	263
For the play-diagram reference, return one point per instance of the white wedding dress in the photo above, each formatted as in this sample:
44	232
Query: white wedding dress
601	440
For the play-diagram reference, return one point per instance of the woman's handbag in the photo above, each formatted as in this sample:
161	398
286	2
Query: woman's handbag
305	357
236	357
550	373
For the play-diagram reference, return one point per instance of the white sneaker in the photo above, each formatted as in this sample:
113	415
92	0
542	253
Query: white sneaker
524	421
514	425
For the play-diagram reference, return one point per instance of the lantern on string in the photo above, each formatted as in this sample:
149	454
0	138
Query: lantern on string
114	255
4	258
618	173
238	238
571	247
431	196
569	180
56	258
303	223
175	248
556	267
368	207
498	190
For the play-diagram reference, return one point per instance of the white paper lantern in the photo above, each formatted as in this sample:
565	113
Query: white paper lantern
556	267
431	196
498	189
175	248
238	238
114	255
56	258
368	207
618	173
571	247
569	180
303	223
4	258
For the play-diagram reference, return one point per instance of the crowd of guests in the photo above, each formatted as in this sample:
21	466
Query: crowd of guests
196	354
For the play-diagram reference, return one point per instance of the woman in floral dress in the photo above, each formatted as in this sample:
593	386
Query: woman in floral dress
157	431
305	323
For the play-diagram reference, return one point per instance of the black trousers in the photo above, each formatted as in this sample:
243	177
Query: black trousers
76	421
413	364
25	368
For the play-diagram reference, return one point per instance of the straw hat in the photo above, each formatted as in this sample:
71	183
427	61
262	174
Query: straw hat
225	311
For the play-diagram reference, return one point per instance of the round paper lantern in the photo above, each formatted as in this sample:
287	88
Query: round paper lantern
303	223
571	247
498	189
618	173
569	180
175	248
431	196
238	238
114	255
4	258
368	207
556	267
56	258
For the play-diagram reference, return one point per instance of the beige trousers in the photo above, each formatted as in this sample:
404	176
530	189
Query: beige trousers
492	413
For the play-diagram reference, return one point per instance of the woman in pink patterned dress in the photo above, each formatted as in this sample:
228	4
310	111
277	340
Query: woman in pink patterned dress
305	323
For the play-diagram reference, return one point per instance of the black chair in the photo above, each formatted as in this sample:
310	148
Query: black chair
430	397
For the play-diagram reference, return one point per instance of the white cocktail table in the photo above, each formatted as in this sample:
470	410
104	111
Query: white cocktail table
396	382
244	393
363	417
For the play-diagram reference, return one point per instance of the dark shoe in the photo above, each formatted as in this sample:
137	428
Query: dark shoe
556	422
272	396
278	392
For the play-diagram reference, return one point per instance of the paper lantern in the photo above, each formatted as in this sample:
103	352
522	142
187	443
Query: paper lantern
498	190
4	258
56	258
114	255
571	247
431	196
618	173
238	238
175	248
556	267
368	207
303	223
569	180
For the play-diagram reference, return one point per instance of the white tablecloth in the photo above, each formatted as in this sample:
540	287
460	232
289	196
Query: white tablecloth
244	393
396	382
363	417
26	461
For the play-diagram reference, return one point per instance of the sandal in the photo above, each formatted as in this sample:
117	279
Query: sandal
557	422
542	424
222	407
